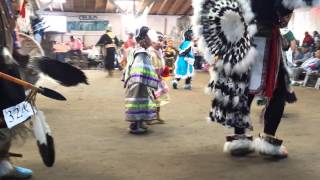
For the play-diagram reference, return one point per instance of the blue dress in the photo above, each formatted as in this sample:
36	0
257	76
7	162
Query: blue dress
184	64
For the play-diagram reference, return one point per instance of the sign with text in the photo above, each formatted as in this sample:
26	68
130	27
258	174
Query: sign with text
88	17
17	114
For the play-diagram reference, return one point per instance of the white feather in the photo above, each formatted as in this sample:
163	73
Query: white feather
219	65
213	74
209	121
244	65
252	29
8	59
208	90
262	146
197	27
242	86
247	11
235	101
232	26
218	95
227	68
40	127
246	119
237	144
226	100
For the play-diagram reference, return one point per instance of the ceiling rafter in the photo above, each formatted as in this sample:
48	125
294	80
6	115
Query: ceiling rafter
185	8
176	6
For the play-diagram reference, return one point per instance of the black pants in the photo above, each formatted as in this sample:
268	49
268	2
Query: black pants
74	53
110	58
188	80
198	62
275	107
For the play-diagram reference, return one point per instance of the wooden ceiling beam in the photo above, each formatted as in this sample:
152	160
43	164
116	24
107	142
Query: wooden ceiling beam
100	5
185	8
176	6
164	3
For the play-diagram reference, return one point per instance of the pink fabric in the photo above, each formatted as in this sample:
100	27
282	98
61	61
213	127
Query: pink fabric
75	45
129	43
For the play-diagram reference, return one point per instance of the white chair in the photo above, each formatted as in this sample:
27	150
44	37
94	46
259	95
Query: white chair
317	86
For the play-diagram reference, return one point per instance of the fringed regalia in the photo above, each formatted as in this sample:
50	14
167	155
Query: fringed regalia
184	64
245	36
141	80
109	41
170	55
158	63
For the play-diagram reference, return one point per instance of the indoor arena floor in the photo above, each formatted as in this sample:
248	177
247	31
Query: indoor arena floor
92	141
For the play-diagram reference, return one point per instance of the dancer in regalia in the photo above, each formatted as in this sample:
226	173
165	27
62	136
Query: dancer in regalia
170	54
109	42
10	94
141	81
162	97
184	65
245	36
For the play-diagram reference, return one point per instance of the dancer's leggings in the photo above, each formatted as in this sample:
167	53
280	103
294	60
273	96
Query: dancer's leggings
274	109
188	80
5	143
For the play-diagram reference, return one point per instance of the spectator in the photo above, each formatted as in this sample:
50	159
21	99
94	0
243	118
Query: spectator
308	40
301	58
130	41
312	64
170	54
309	66
75	47
316	37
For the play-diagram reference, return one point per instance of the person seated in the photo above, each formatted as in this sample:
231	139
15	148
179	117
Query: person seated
307	40
60	51
302	55
311	65
75	46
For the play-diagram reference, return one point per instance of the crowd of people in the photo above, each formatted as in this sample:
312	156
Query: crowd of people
304	58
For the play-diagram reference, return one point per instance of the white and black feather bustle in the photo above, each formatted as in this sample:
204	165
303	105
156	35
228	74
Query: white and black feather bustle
225	29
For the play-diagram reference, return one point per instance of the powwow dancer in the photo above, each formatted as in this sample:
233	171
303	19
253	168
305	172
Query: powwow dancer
12	94
109	42
170	54
8	99
184	65
141	81
242	33
158	63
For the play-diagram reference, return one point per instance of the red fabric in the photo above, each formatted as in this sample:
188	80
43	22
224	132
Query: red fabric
23	9
274	61
165	72
129	43
308	40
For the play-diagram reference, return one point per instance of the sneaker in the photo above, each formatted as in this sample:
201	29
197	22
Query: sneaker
238	145
135	128
143	126
19	173
187	87
175	85
270	146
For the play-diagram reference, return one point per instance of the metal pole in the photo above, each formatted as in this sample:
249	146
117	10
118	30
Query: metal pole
134	7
